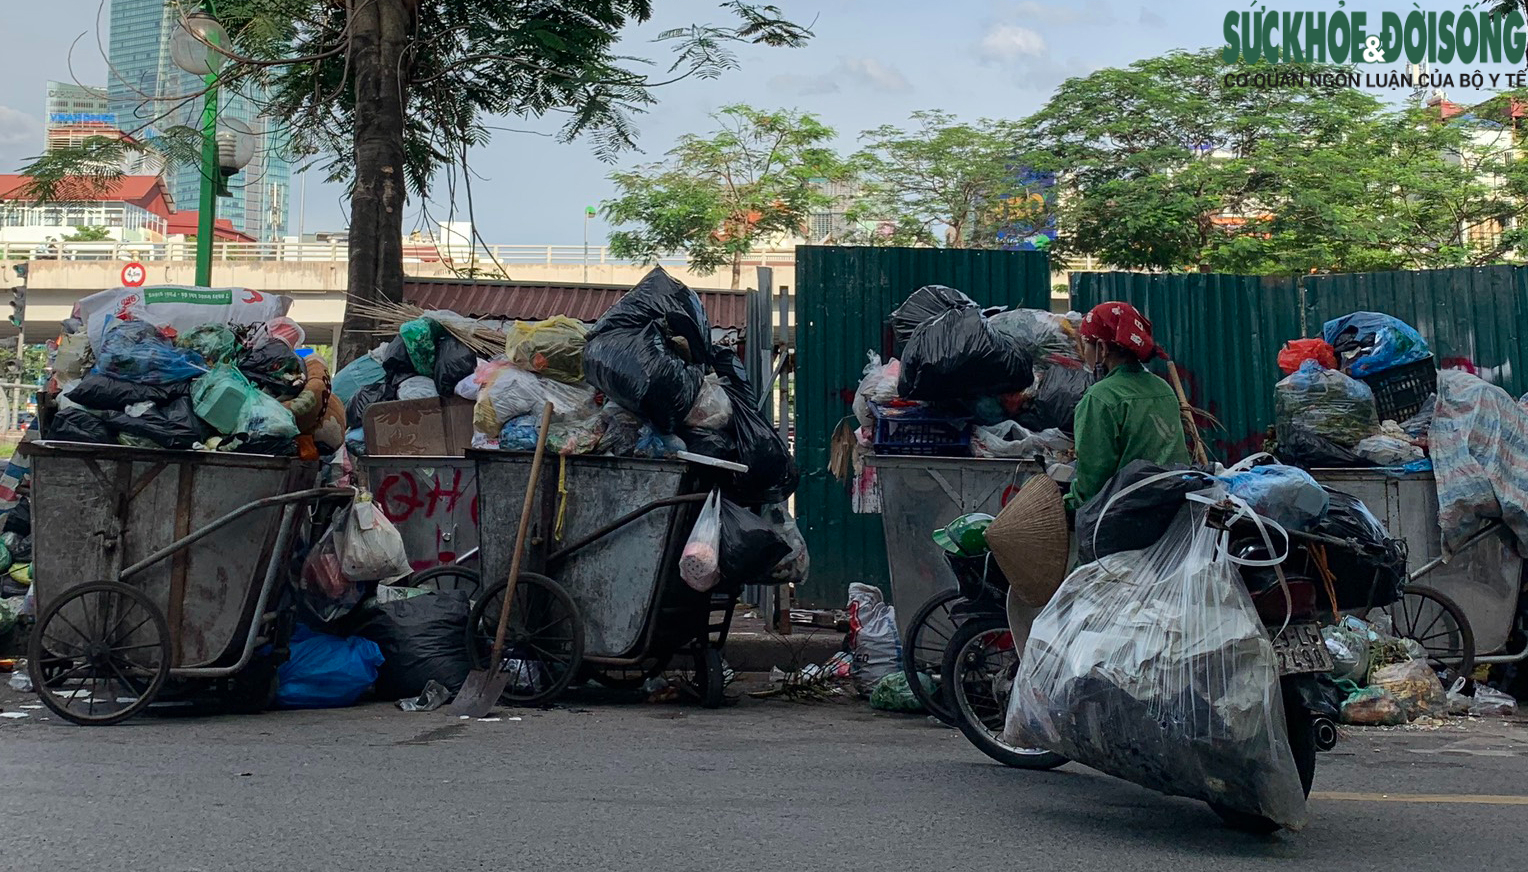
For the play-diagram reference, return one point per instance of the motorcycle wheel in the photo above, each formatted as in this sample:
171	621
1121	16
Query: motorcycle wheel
1300	725
978	675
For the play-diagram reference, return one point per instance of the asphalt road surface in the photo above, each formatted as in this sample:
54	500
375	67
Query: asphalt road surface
611	785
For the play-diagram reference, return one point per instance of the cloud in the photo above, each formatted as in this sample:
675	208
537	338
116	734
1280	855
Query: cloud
21	138
1010	42
849	73
1094	13
1151	19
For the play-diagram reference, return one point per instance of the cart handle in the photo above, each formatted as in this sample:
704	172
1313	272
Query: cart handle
1480	535
220	523
579	545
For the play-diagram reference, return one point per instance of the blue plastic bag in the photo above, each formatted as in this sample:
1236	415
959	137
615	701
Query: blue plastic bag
136	351
1390	342
1284	494
326	671
364	370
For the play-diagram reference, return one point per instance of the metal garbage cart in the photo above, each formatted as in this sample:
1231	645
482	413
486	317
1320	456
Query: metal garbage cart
1484	580
608	535
156	572
433	501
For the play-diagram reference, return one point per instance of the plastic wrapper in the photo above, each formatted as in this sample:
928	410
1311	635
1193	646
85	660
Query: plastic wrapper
661	300
564	436
797	565
619	431
713	407
700	562
104	393
957	355
1415	686
1153	666
638	368
750	546
878	387
1057	392
172	425
80	425
419	337
216	343
553	348
1137	515
371	548
177	309
284	329
772	475
872	637
454	361
651	443
417	387
324	671
1296	351
922	305
276	368
423	639
1038	333
1386	450
1288	496
136	351
1011	439
1372	707
1371	342
357	374
1327	403
1350	653
1490	702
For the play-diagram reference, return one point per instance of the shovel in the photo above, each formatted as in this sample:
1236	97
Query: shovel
483	687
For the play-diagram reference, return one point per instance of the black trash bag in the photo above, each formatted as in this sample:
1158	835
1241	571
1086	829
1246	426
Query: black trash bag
19	521
708	442
1060	390
396	360
22	553
958	355
454	361
383	391
637	368
1321	696
660	298
1138	519
267	444
107	394
1372	578
276	368
172	425
78	425
772	475
922	305
750	547
1299	445
727	365
422	638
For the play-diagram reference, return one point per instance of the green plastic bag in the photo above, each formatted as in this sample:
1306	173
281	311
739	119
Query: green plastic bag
230	403
1372	707
893	694
419	337
215	342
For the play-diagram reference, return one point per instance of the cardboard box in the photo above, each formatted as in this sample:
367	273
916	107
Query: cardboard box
431	427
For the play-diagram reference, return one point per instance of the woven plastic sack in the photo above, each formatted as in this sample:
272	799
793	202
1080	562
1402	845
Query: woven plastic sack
1296	351
1326	403
872	637
700	563
177	308
1153	666
137	351
553	348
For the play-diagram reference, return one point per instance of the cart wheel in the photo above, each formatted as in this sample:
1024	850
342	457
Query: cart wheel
707	677
1436	623
100	653
543	645
928	635
448	578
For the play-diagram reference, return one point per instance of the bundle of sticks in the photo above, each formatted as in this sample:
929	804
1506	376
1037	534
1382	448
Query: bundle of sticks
485	339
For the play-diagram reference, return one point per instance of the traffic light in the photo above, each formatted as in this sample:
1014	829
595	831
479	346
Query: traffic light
19	296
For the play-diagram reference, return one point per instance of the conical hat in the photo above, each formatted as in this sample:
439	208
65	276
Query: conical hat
1030	542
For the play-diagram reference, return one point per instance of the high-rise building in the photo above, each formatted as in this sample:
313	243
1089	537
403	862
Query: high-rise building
78	113
148	94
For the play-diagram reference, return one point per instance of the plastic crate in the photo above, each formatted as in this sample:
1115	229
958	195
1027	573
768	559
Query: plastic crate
915	432
1400	392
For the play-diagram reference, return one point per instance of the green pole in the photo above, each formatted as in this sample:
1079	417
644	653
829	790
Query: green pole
207	211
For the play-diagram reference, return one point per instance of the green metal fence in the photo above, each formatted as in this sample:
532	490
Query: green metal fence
844	297
1225	331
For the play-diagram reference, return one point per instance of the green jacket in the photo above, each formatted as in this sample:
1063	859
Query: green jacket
1129	414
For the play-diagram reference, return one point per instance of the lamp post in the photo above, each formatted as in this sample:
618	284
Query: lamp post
588	213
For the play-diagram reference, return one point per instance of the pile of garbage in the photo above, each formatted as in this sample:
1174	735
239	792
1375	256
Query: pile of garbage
191	368
967	381
1360	396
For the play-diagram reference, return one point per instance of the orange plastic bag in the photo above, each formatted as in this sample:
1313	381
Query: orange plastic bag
1297	351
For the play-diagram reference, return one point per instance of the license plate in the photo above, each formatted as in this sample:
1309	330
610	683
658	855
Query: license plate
1301	649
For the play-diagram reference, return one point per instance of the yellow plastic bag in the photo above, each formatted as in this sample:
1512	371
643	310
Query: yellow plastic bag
553	348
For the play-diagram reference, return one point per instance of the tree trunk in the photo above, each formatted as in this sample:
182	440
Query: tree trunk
379	36
737	270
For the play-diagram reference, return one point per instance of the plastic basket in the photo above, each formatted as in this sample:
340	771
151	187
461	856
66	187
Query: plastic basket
1400	392
913	431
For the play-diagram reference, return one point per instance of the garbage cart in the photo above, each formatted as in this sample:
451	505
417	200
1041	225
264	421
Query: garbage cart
156	573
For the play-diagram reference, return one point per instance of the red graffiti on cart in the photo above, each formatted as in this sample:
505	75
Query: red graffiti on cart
412	497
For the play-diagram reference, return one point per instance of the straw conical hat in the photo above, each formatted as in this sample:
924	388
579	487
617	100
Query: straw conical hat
1030	542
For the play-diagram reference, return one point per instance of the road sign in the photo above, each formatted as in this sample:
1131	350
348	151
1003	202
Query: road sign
134	275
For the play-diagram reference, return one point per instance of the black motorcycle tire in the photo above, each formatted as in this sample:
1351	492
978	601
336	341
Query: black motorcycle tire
1300	724
966	720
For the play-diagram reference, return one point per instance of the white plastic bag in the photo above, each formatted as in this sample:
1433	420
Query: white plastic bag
793	569
713	407
514	392
1009	439
419	387
872	636
879	386
700	563
372	548
1153	666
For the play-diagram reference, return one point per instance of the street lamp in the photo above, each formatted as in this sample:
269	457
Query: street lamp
191	50
588	213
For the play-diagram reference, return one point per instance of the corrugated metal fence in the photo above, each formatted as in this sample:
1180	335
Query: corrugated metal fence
1225	331
843	299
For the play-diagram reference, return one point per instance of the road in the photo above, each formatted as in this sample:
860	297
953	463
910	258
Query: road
611	785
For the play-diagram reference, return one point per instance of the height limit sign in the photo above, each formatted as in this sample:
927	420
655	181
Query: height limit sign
134	275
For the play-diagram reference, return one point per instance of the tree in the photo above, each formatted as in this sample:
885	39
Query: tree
971	181
88	234
387	94
716	197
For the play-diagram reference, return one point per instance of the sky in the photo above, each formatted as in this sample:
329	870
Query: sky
871	62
